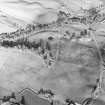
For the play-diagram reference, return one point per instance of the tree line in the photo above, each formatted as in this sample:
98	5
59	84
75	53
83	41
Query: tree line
24	42
21	42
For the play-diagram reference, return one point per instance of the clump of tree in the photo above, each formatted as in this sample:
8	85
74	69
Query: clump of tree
48	91
102	51
69	101
87	101
48	46
50	38
12	100
7	43
7	98
28	44
83	32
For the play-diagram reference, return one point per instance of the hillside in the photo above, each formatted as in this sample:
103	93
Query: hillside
55	48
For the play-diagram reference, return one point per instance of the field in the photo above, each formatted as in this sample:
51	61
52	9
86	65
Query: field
20	69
